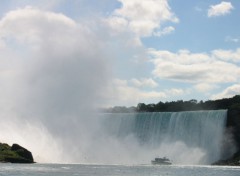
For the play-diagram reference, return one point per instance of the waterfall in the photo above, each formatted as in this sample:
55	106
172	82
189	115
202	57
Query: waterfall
185	137
122	138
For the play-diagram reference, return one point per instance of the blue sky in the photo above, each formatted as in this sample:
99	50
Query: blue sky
120	52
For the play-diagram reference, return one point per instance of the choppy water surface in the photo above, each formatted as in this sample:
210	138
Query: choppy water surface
114	170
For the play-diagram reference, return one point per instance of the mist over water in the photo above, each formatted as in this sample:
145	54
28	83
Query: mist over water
52	78
54	75
184	137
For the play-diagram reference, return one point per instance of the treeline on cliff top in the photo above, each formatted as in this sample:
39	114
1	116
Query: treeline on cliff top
180	105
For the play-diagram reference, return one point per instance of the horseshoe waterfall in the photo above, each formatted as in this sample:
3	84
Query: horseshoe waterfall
193	137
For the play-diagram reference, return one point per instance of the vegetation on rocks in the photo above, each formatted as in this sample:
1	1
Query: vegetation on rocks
15	154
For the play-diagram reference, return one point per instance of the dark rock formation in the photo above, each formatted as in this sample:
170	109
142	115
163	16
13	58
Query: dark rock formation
15	154
233	123
233	161
233	126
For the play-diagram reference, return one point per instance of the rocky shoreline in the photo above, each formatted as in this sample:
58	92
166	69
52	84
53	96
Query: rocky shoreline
15	154
233	161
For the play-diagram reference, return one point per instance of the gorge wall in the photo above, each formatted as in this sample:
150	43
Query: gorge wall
233	124
231	142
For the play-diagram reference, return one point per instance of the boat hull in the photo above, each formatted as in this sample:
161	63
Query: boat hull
161	163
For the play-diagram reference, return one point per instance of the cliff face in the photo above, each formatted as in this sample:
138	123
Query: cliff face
233	125
15	154
233	161
233	122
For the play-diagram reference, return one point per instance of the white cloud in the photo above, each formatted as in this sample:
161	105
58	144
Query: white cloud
118	23
205	87
232	39
144	82
43	4
2	44
142	17
227	55
174	92
220	9
195	68
228	92
121	92
30	26
165	31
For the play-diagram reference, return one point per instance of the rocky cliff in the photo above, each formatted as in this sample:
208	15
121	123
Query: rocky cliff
233	125
15	154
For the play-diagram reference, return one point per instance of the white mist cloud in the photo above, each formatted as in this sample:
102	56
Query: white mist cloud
142	17
53	54
220	9
53	71
45	147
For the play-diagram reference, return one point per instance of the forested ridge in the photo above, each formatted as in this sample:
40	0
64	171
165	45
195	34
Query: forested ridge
180	105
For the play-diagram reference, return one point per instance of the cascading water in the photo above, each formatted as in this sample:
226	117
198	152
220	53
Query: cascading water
122	138
185	137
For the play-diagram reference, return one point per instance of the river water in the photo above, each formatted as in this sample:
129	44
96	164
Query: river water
114	170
